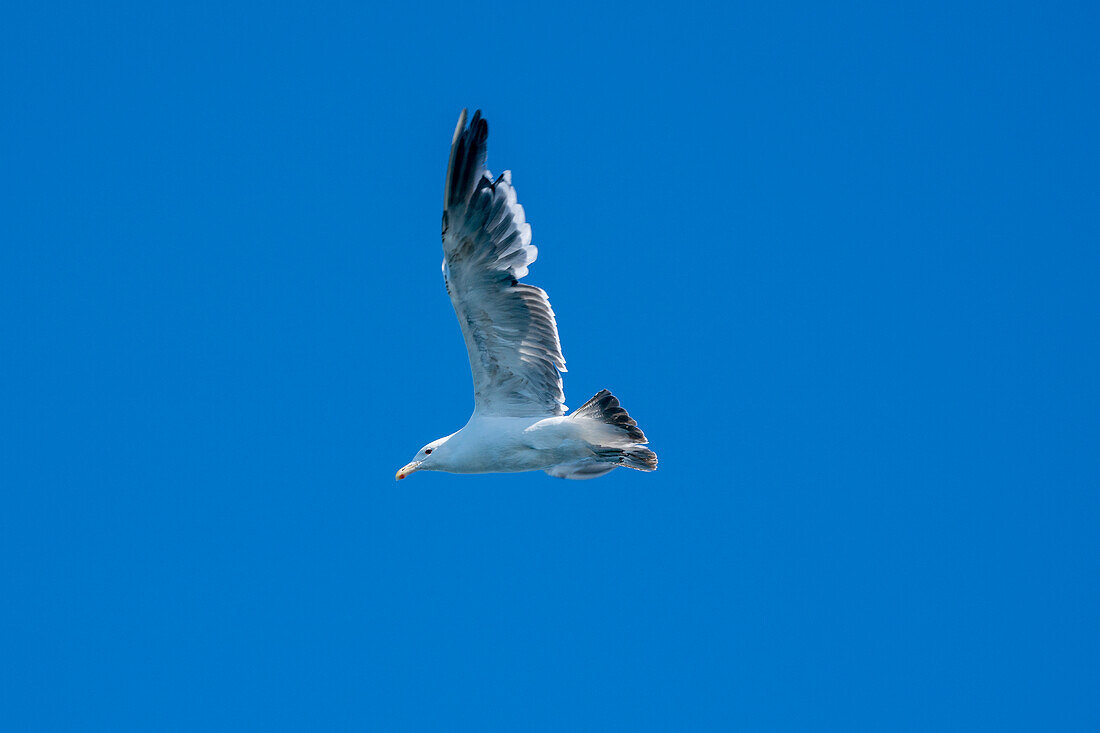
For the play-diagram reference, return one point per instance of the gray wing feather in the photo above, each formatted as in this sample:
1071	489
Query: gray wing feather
510	332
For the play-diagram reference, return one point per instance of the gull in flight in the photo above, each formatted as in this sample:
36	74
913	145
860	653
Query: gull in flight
519	421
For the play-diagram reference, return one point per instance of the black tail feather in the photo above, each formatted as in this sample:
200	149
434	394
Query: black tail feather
639	458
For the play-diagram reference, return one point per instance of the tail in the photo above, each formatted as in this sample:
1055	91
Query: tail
605	408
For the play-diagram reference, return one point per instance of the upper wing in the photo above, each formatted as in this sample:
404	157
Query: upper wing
510	331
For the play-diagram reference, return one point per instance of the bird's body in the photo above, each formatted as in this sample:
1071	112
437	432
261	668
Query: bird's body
510	444
519	421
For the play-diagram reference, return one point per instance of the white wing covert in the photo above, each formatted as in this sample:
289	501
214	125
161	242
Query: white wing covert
510	332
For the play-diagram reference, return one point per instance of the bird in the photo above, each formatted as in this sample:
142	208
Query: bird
519	422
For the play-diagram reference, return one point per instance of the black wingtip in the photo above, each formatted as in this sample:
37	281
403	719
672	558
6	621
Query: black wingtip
468	151
605	407
480	127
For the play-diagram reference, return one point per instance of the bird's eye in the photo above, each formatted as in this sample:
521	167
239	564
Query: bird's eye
427	451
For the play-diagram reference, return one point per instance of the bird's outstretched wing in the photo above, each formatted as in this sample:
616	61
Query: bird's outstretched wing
510	331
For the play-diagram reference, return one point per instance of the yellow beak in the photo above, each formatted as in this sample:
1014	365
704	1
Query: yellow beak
406	470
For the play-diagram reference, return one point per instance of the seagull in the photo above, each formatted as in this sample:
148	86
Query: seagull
519	421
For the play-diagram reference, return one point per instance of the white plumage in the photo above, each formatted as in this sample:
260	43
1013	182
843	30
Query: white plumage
518	423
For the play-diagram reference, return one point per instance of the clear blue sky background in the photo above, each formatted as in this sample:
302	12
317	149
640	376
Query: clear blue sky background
840	263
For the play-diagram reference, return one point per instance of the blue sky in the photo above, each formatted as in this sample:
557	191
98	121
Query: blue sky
840	263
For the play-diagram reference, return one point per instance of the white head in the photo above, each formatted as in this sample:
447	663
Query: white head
427	458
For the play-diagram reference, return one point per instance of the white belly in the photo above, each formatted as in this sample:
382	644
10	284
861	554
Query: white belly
509	444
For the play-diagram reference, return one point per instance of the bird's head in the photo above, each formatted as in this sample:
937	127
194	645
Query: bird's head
426	459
